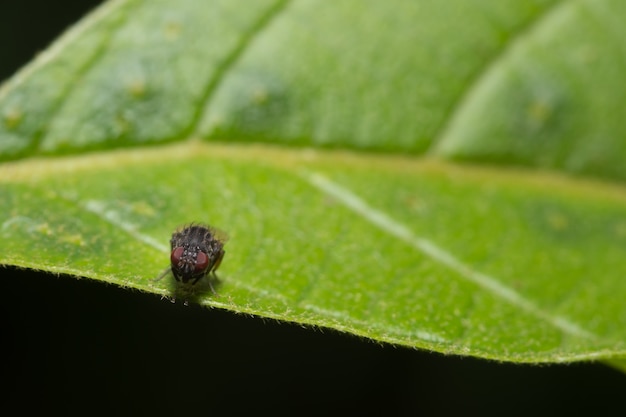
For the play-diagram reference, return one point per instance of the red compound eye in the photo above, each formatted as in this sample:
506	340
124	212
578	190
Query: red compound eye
202	261
176	255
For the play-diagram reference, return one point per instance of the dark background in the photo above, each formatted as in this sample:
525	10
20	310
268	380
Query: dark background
81	346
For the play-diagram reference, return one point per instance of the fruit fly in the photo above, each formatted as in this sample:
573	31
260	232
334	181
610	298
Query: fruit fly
197	251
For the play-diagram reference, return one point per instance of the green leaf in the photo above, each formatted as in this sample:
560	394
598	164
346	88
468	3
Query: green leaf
400	247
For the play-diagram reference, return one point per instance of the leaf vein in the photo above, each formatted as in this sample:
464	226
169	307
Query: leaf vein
230	60
440	255
58	48
486	70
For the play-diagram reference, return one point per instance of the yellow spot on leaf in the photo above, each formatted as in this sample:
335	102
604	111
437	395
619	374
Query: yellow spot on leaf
75	239
558	221
144	209
12	118
172	31
44	229
136	88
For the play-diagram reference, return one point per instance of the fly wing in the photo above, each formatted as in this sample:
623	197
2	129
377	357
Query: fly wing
219	234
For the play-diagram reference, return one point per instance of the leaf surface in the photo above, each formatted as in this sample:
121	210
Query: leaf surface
399	244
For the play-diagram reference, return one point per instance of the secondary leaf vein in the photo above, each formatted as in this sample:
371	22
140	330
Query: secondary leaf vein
113	217
475	81
57	49
228	63
440	255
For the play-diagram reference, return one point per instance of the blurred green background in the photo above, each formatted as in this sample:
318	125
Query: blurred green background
79	345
